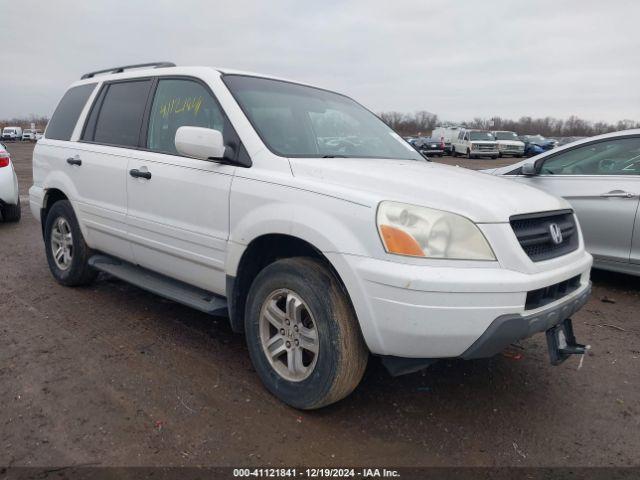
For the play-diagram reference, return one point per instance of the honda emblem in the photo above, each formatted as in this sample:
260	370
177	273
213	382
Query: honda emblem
556	233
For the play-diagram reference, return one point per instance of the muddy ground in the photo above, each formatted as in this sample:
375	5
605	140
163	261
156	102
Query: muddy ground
112	375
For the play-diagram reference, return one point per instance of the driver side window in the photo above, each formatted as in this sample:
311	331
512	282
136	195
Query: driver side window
180	103
610	157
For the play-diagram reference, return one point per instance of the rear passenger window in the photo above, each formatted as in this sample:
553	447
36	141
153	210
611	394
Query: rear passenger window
178	103
120	114
65	117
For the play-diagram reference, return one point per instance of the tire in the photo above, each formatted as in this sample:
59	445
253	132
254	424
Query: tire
518	156
11	213
337	367
78	272
494	157
469	156
454	153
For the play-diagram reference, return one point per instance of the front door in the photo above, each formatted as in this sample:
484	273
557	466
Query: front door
601	180
178	207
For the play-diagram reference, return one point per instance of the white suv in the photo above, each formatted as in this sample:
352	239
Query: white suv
322	234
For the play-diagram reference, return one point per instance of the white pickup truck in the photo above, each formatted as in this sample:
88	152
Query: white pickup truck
293	210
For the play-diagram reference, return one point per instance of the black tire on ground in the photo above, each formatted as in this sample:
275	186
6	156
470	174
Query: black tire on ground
11	213
342	354
79	272
494	157
454	153
469	156
518	156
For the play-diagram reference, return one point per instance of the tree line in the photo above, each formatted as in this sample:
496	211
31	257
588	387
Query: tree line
423	123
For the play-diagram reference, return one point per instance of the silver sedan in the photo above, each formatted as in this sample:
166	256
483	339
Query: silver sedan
600	177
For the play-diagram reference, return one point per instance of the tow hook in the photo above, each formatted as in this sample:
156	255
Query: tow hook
561	342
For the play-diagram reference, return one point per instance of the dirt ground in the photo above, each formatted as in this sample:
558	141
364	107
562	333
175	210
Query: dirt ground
111	375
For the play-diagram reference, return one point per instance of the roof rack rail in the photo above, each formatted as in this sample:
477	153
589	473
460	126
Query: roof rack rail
127	67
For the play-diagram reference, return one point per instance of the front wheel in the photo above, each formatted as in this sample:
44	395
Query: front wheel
469	156
67	253
303	336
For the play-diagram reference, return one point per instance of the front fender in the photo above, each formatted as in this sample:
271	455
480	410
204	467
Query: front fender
329	224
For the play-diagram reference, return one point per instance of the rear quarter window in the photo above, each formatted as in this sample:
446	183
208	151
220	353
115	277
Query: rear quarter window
66	115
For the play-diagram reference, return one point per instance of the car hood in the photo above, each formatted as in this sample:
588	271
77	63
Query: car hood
515	143
477	196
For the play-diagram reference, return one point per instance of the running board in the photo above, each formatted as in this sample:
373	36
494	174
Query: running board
161	285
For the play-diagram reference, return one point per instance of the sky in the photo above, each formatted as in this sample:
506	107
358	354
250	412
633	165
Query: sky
458	59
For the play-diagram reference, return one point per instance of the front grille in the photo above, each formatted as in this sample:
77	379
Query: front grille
534	232
486	148
543	296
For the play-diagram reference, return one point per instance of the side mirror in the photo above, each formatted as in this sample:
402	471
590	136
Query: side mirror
529	169
199	142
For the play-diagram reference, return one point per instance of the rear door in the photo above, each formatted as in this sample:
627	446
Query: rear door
601	180
178	217
111	135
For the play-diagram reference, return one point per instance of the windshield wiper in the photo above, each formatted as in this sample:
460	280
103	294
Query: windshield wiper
334	156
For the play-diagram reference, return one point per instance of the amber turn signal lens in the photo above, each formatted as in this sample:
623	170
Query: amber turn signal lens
400	242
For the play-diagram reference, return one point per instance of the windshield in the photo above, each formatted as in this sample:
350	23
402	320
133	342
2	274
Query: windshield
506	136
481	136
536	138
299	121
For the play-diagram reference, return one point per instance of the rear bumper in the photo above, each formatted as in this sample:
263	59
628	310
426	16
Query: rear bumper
9	193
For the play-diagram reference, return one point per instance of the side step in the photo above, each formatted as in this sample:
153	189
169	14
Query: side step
161	285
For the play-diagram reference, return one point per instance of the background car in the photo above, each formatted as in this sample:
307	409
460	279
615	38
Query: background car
536	144
28	135
429	146
475	144
9	194
600	177
509	143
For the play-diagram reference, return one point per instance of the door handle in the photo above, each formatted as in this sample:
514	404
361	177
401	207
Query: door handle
74	161
135	173
617	194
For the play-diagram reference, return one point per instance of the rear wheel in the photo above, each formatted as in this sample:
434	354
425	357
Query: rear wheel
11	213
67	253
302	334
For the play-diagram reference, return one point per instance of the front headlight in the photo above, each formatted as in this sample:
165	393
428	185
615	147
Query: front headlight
425	232
474	146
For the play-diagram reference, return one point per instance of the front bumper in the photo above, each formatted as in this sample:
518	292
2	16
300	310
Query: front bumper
427	311
507	329
484	153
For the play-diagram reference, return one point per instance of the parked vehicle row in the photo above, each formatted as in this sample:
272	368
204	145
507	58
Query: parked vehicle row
322	234
14	134
457	141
